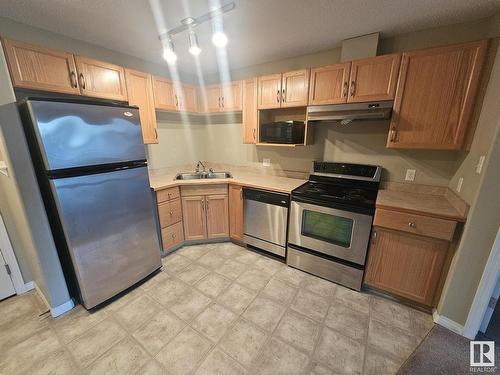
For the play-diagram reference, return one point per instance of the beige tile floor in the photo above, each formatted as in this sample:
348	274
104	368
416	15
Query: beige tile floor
215	309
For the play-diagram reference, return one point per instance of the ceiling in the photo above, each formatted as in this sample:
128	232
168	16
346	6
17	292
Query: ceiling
259	31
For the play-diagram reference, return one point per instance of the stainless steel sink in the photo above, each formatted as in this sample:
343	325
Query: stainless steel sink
202	175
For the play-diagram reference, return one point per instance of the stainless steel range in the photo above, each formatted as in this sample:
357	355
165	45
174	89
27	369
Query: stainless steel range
330	221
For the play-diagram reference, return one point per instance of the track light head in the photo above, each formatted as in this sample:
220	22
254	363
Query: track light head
194	47
168	51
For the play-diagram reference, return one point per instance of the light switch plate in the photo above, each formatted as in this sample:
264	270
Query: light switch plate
459	185
266	162
410	174
479	166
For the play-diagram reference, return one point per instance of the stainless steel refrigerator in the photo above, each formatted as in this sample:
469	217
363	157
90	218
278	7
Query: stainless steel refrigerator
91	167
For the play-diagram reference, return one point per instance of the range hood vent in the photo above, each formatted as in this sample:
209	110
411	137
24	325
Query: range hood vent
346	113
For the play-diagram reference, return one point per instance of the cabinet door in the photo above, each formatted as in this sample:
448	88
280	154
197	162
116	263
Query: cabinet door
217	216
188	100
232	96
101	79
212	97
269	91
164	94
194	218
374	78
406	265
140	93
295	88
329	84
236	212
38	68
250	113
435	96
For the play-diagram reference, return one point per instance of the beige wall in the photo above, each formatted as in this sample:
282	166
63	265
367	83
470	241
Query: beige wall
482	192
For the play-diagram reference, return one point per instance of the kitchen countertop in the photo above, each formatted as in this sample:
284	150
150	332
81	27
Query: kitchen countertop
436	205
265	182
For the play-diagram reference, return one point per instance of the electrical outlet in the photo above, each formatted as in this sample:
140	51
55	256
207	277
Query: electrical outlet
479	166
266	162
459	185
410	174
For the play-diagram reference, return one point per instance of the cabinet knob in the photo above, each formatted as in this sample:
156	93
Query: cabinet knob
81	78
283	95
374	237
171	213
411	224
278	96
173	236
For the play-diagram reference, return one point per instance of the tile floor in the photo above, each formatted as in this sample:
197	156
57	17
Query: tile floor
215	309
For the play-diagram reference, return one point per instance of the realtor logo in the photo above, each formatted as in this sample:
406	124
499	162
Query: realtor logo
482	353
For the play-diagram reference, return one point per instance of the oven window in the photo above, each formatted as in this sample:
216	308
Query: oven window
330	228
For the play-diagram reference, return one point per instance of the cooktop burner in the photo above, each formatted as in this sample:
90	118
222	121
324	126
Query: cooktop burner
338	183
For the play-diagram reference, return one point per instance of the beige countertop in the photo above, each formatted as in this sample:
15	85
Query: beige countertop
431	204
265	182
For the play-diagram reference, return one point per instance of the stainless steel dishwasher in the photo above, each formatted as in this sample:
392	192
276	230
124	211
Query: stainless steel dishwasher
266	216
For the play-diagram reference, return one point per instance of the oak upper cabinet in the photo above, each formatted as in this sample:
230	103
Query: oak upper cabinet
290	89
224	97
329	84
232	96
435	96
39	68
250	113
140	93
217	216
295	88
187	100
212	98
101	79
406	265
164	94
194	218
374	78
236	212
269	91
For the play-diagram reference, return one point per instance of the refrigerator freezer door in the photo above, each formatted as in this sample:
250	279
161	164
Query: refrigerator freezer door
108	223
72	134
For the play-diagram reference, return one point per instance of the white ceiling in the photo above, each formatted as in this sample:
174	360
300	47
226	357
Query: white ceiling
259	30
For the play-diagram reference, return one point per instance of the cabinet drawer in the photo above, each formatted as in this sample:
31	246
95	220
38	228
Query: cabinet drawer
215	189
416	224
167	194
172	235
170	212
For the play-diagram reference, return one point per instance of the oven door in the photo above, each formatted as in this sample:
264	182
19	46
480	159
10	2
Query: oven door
338	233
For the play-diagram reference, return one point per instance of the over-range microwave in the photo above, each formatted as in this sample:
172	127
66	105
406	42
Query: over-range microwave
287	132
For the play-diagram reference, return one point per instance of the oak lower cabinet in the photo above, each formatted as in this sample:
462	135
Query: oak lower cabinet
170	217
435	97
205	212
236	212
408	254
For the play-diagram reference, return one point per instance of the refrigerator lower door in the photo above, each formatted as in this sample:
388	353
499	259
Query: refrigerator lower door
108	222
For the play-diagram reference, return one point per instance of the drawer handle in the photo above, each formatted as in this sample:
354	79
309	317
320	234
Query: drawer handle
171	213
374	238
168	195
173	236
411	224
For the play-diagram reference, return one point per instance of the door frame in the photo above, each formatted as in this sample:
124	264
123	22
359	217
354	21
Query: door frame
484	291
11	260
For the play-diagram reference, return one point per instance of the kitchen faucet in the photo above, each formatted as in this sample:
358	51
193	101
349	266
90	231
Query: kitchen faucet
198	167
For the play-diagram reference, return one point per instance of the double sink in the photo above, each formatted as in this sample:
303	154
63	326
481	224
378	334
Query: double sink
202	175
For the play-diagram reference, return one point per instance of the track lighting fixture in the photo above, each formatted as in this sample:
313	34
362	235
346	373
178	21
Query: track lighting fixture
194	47
219	38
